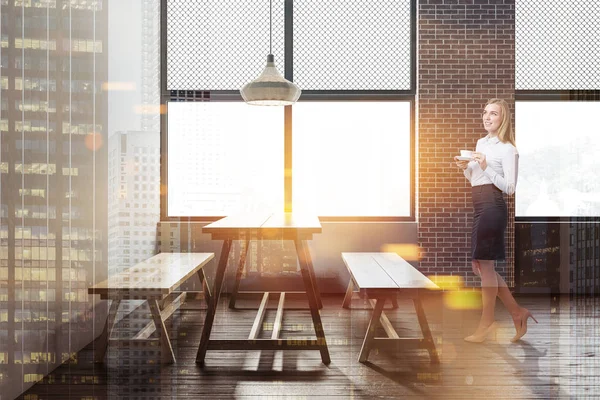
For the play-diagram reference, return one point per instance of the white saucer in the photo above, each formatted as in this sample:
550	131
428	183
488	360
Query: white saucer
460	158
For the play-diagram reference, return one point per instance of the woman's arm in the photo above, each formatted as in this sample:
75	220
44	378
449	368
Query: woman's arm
510	167
468	172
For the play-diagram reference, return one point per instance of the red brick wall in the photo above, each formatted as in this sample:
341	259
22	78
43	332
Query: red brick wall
466	54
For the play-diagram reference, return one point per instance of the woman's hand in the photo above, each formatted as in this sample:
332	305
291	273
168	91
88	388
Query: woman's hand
461	164
480	158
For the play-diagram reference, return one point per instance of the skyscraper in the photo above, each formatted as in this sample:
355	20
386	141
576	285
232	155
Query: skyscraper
134	202
584	257
134	163
134	156
538	250
52	184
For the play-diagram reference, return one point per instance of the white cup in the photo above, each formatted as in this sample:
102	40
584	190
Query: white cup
466	153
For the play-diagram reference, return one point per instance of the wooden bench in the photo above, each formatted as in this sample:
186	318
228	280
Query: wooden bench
382	276
153	280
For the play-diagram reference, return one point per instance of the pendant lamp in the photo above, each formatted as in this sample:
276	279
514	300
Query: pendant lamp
270	88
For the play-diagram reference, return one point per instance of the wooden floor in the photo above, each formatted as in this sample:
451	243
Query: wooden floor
558	358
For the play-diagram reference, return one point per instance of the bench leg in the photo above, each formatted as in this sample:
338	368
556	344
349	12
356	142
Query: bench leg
304	258
168	306
205	286
350	291
348	296
165	344
426	332
370	335
238	275
102	343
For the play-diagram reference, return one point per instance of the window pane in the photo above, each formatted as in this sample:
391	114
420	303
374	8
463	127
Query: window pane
351	158
336	42
220	44
224	158
557	45
559	167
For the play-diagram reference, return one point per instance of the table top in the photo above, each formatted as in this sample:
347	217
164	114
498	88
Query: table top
385	271
265	226
158	275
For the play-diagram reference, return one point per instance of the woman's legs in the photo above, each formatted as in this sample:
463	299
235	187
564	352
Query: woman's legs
489	291
507	298
503	292
519	314
484	269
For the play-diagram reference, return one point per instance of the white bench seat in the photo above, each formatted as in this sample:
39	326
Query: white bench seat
153	280
382	276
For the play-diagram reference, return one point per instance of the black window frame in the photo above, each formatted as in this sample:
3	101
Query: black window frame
167	96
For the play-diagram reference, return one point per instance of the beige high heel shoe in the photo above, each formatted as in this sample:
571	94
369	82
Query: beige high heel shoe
481	337
522	328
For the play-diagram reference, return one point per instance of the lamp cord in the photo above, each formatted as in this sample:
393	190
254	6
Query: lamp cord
270	25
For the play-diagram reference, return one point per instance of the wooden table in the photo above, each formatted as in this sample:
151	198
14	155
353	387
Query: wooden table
278	226
153	280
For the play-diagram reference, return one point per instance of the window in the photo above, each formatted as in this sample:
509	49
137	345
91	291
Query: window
557	86
559	171
349	139
352	158
220	165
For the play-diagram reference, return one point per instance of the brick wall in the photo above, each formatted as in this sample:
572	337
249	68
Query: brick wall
466	55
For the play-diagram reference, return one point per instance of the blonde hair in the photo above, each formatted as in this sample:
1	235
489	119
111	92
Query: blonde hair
505	132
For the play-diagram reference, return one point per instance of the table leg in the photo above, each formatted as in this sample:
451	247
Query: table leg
102	343
370	335
165	343
313	278
238	275
426	332
304	258
213	302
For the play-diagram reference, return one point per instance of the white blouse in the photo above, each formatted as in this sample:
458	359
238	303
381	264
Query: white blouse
502	165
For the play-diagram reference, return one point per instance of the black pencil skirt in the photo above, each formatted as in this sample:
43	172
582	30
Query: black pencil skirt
489	223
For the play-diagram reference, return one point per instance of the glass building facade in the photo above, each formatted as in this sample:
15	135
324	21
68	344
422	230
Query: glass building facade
52	183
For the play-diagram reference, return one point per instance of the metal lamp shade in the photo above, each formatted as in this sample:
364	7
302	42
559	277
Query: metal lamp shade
270	88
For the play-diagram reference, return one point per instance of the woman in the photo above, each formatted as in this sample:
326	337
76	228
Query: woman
492	171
